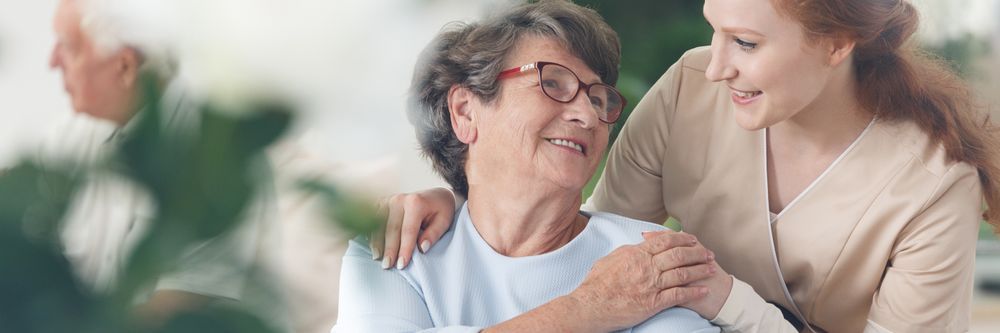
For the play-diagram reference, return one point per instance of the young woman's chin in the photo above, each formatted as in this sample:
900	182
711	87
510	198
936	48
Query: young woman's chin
750	119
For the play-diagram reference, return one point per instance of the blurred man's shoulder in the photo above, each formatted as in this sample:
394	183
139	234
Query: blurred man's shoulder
76	138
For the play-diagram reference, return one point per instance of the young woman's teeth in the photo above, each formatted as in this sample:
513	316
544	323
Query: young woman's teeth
567	143
742	94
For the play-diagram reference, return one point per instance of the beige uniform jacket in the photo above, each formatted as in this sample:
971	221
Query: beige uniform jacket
884	238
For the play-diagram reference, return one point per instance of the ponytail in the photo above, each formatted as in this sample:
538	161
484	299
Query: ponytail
897	81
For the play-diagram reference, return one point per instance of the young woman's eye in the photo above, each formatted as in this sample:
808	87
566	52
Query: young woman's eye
745	45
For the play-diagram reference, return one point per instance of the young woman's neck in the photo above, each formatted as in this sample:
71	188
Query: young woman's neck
830	123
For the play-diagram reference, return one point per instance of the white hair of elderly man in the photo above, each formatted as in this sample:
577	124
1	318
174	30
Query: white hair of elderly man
143	25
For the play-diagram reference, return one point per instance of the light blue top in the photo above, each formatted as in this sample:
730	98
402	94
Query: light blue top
463	285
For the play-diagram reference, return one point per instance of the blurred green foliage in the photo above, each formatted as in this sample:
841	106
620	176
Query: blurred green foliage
986	231
201	182
351	213
37	282
962	53
35	198
215	320
653	34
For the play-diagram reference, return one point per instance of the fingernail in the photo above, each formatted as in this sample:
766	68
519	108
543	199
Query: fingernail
711	256
386	263
425	245
376	254
400	263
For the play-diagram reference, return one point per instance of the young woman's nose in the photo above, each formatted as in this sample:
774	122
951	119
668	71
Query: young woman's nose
719	68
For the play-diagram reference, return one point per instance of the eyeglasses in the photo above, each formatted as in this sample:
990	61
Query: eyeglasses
562	85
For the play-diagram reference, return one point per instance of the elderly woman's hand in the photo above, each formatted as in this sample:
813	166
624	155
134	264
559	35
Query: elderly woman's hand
719	285
635	282
425	214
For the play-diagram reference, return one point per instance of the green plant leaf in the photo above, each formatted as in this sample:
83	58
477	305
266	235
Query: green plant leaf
352	214
215	319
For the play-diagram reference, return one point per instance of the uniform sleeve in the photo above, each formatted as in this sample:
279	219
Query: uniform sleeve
928	283
746	311
631	184
377	300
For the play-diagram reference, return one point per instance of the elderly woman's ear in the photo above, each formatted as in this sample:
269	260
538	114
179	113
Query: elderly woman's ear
461	104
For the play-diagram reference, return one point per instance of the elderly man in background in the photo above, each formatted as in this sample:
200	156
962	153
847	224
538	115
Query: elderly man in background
99	74
99	57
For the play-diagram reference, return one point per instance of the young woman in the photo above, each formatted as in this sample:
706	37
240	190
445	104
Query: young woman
837	173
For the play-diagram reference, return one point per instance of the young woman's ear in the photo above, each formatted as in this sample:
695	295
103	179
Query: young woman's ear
840	49
129	61
461	106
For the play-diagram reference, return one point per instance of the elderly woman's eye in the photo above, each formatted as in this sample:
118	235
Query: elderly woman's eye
597	102
554	84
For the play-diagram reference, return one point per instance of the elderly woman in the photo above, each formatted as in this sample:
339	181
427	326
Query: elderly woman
515	114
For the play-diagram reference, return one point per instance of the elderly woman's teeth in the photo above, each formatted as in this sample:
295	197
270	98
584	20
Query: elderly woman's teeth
567	143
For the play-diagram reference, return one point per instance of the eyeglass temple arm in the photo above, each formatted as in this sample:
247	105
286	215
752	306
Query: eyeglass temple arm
518	70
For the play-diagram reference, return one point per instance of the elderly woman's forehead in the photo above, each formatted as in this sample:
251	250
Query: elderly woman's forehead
531	48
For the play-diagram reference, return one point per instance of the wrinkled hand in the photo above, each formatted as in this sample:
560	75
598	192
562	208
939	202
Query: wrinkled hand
635	282
719	285
425	215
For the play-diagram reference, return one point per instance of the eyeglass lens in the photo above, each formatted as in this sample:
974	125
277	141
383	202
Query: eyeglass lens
561	84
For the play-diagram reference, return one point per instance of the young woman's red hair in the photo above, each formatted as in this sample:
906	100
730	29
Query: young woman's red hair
899	82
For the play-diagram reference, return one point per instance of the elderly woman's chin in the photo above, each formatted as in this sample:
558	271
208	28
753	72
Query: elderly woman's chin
572	168
562	168
571	175
570	184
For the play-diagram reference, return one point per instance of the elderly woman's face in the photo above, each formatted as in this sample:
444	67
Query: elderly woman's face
527	137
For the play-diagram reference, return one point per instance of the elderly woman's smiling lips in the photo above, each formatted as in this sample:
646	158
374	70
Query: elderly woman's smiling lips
576	146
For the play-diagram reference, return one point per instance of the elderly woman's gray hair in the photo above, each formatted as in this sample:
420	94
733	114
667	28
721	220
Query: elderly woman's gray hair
472	56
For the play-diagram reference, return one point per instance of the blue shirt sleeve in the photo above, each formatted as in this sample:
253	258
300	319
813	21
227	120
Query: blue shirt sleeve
377	300
676	320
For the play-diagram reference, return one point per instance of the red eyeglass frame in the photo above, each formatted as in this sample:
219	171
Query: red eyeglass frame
538	65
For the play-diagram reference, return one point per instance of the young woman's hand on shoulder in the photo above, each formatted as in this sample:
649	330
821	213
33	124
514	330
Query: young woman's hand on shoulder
414	219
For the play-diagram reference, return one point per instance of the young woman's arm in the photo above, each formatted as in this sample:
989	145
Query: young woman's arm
928	283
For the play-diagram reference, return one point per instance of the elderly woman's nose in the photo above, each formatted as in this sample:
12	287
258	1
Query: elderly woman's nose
580	110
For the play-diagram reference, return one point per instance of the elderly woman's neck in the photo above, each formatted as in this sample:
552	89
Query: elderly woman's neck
525	223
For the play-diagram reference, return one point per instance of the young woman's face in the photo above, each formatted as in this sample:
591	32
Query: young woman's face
764	59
